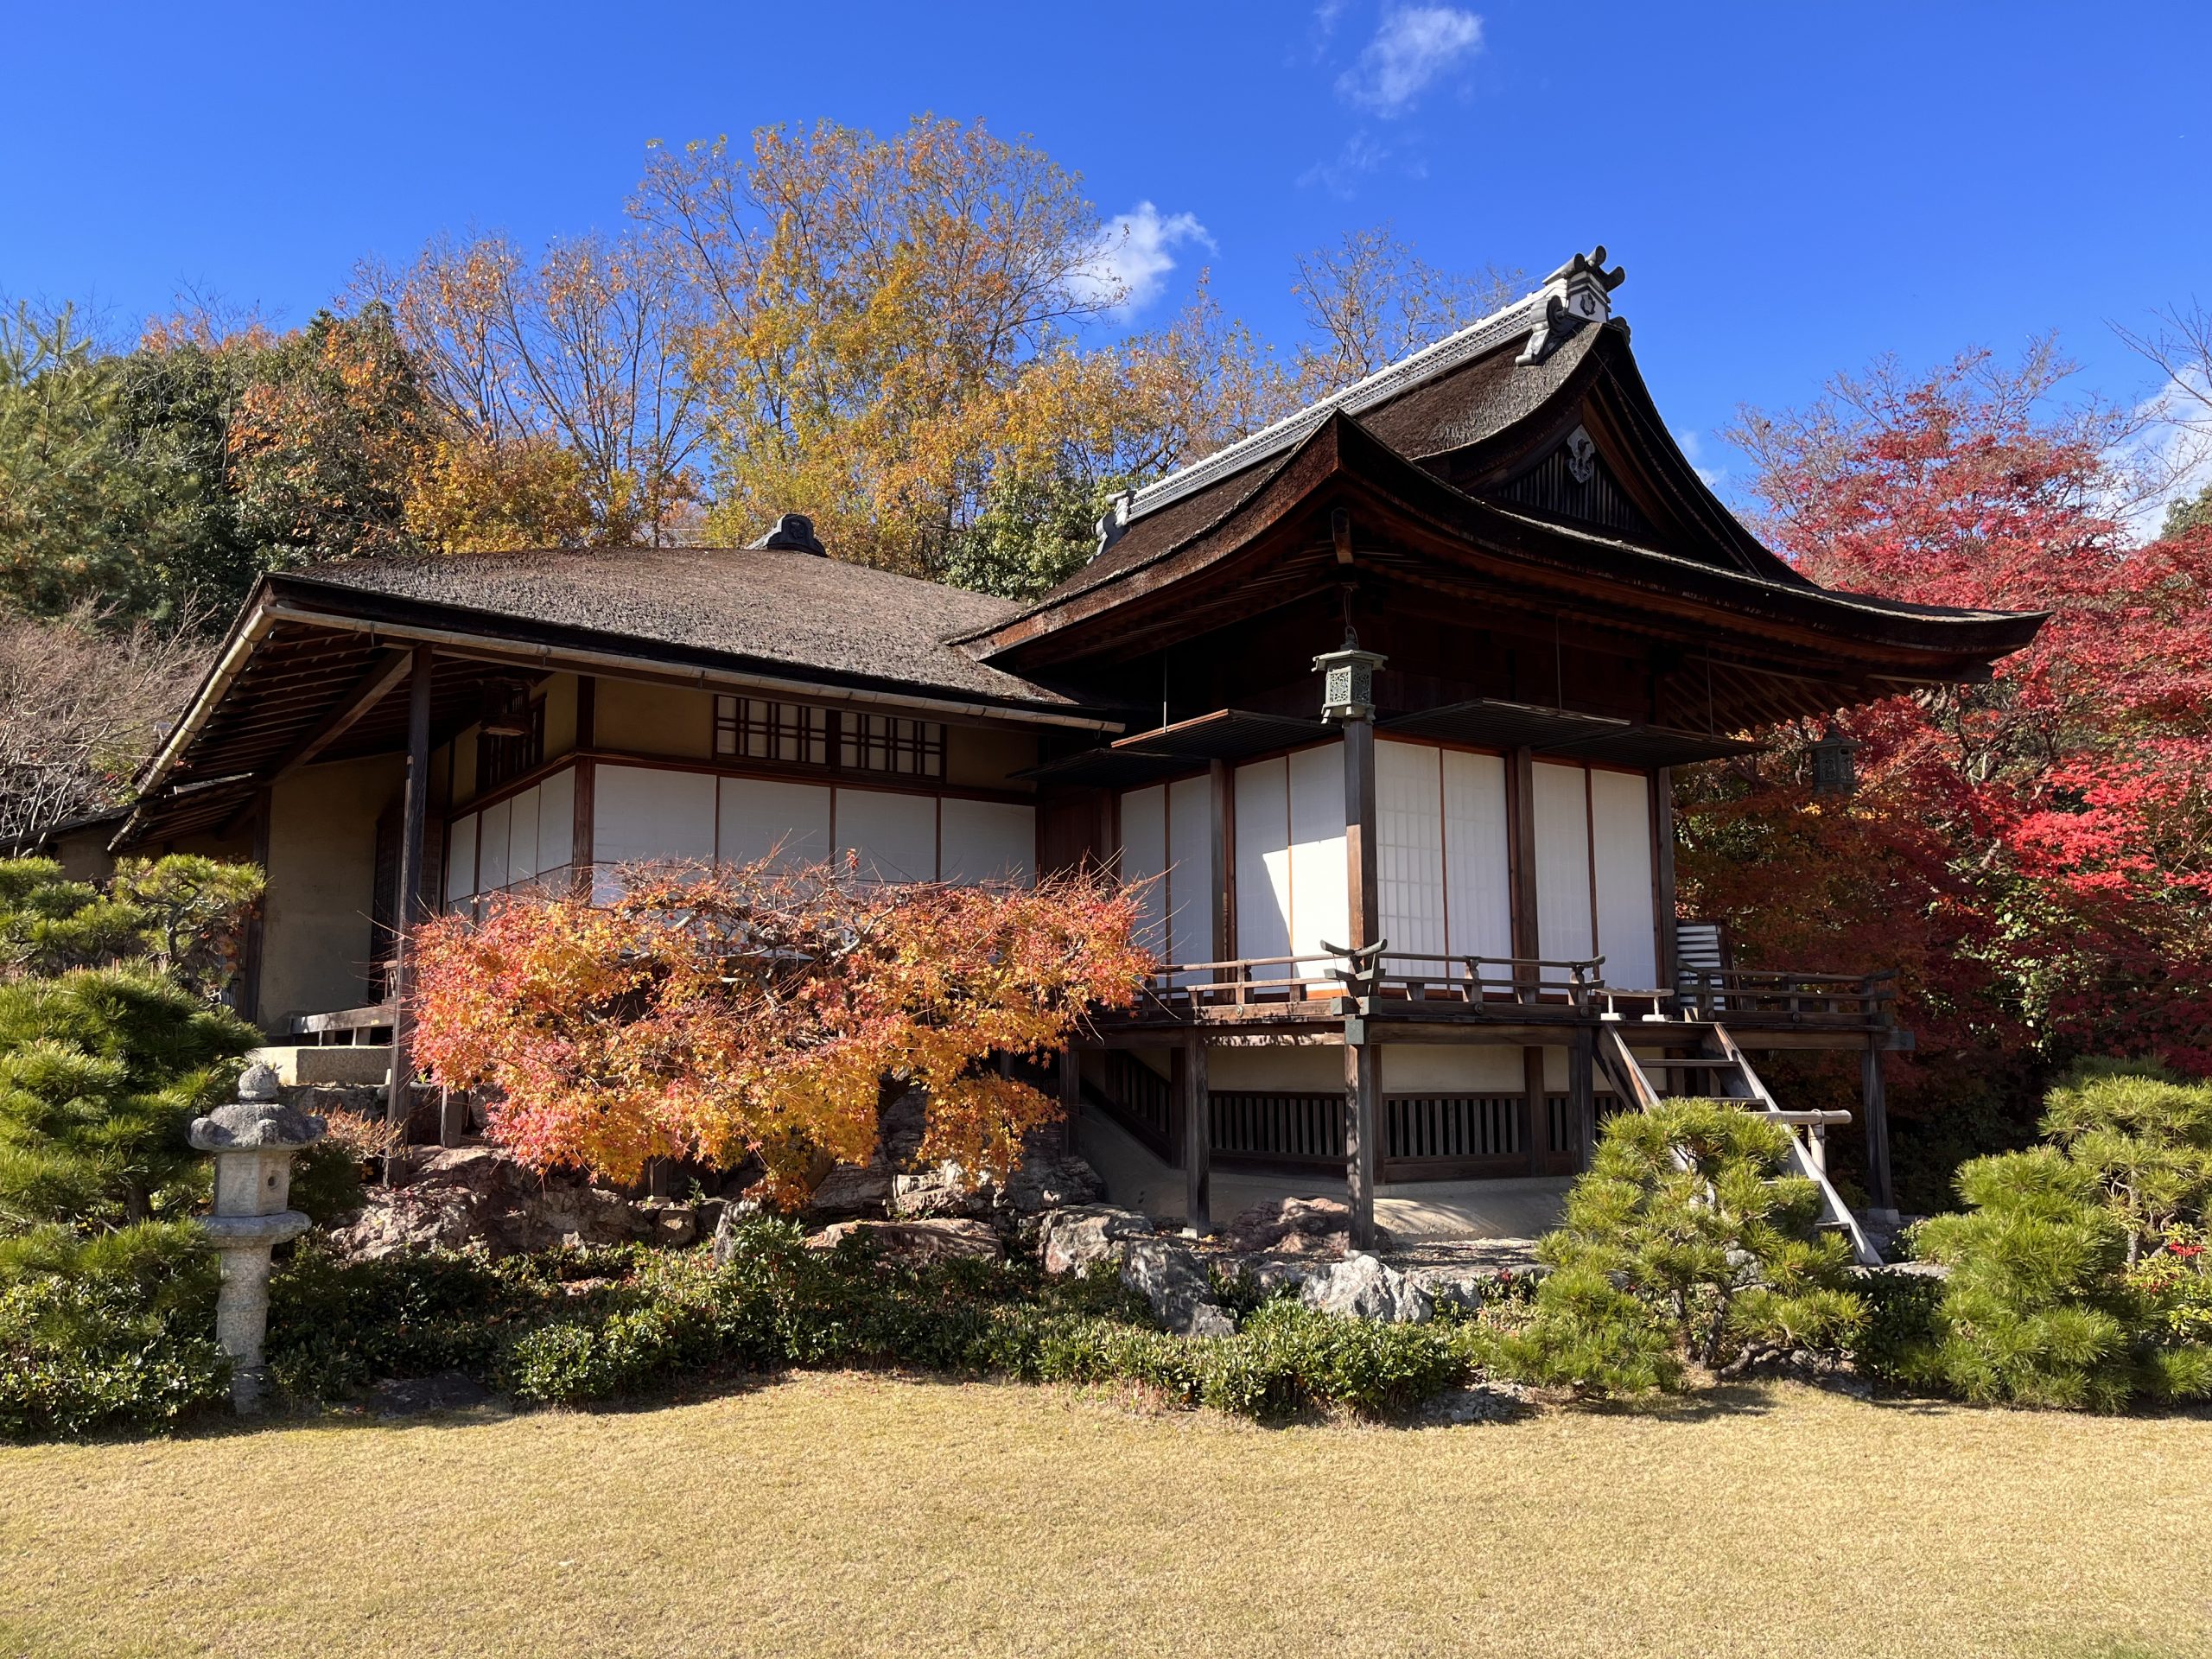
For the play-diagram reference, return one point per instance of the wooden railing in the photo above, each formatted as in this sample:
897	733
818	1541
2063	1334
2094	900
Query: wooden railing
1764	995
1262	981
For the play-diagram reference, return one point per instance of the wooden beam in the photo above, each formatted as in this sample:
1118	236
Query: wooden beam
367	691
1197	1137
408	911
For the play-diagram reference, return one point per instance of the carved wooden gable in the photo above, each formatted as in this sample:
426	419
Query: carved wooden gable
1573	481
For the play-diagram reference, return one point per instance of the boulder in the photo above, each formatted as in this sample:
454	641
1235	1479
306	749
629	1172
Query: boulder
1469	1288
669	1222
1045	1181
1071	1239
917	1243
463	1194
1168	1275
1293	1227
1364	1287
1265	1275
849	1191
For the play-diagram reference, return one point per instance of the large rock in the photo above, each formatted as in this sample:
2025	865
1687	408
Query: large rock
917	1243
1045	1181
848	1192
463	1194
1293	1227
1072	1239
1364	1287
1168	1275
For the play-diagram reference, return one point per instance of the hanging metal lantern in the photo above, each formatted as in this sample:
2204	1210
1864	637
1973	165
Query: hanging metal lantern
1835	772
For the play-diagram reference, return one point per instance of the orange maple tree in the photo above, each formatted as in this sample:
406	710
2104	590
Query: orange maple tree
723	1013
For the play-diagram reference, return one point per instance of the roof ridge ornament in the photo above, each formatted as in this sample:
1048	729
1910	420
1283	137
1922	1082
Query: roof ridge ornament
1112	522
793	533
1579	294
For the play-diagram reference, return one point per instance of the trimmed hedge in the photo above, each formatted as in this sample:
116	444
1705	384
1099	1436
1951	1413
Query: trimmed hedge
577	1328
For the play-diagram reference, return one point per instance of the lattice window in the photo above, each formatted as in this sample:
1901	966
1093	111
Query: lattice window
751	728
913	748
498	759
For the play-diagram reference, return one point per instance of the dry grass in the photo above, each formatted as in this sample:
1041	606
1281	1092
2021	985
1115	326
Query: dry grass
863	1516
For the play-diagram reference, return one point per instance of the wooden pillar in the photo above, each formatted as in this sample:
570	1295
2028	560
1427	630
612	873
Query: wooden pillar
407	910
1222	780
1874	1103
1364	893
1520	866
1363	1069
1197	1137
1662	887
1540	1117
1070	1098
1582	1095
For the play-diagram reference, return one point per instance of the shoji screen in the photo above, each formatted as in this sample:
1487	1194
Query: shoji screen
1263	862
988	840
895	835
1320	902
642	814
1190	869
1479	879
1620	818
1409	847
461	860
1562	814
760	816
1144	858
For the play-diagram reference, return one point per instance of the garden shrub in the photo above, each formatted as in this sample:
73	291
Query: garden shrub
106	1334
2036	1311
1685	1242
1901	1309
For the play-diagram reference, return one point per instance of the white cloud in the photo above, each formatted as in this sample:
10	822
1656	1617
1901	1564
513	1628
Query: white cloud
1360	154
1413	46
2173	455
1134	253
1693	448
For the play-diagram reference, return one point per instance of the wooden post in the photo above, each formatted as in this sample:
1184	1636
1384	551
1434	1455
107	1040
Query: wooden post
1520	866
1363	891
1070	1098
1874	1102
1540	1117
1582	1096
1198	1141
408	910
1224	782
1662	894
1362	1064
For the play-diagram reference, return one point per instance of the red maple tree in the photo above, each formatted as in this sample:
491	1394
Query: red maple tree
2034	854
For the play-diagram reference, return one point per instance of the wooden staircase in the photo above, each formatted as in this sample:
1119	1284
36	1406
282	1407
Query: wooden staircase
1725	1075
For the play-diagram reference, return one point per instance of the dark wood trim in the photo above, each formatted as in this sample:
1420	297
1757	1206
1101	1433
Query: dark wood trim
1521	849
407	910
1224	778
1363	1088
827	777
1662	874
1535	1102
1874	1105
1198	1135
1363	887
580	841
363	695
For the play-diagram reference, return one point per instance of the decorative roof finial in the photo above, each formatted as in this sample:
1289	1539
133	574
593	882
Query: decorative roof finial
1578	292
793	533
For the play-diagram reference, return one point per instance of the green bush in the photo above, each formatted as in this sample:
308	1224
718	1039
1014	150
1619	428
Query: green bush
582	1327
106	1334
1685	1242
1901	1309
2036	1311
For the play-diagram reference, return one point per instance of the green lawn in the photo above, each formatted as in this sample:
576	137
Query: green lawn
863	1516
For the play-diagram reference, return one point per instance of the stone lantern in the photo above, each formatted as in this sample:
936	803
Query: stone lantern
253	1142
1835	770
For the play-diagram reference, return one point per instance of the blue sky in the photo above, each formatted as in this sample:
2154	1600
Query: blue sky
1793	188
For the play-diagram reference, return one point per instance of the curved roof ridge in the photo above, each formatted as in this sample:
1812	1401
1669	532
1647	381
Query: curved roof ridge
1579	291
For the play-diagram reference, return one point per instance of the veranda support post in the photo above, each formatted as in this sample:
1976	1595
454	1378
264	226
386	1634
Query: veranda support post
1348	700
407	911
1874	1104
1197	1136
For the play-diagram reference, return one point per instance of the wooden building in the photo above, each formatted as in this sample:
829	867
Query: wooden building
1381	702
